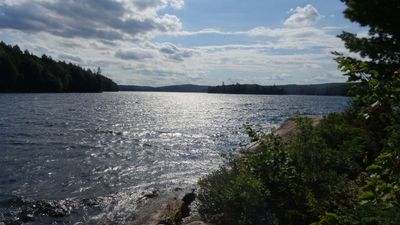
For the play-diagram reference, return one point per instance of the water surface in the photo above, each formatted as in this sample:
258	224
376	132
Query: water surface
89	156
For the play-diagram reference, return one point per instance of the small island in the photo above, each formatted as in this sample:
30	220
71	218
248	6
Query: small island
25	72
329	89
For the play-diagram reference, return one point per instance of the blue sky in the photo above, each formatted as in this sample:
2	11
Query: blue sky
232	15
164	42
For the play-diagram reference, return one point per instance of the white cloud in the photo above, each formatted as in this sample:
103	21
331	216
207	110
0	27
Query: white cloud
173	52
301	17
177	4
283	38
95	19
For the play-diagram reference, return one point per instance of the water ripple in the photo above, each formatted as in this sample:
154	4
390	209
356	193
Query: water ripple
68	158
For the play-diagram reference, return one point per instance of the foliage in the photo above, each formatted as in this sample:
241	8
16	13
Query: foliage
378	201
322	173
237	194
24	72
298	180
240	202
378	73
377	78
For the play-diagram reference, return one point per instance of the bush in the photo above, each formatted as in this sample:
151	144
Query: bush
237	194
292	182
378	201
230	196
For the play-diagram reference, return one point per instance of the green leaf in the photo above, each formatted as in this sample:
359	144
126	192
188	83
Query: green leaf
367	196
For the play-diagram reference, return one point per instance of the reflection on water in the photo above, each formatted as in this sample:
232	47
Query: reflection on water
109	147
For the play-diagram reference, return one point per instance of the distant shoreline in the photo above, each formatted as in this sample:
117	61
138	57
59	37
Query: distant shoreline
328	89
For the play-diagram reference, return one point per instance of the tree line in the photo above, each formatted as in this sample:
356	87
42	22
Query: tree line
331	89
24	72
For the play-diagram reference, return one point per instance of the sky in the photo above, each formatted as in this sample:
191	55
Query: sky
166	42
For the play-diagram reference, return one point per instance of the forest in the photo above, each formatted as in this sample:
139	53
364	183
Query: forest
331	89
25	72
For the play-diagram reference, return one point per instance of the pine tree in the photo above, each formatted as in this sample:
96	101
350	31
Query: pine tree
377	72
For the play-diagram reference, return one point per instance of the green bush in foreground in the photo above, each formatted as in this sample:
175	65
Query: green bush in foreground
321	175
378	201
237	195
291	182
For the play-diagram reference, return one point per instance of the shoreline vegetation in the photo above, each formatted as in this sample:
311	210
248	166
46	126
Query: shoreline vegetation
328	89
174	207
23	72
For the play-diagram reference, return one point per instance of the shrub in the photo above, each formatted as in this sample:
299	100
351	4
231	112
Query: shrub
291	182
378	201
233	196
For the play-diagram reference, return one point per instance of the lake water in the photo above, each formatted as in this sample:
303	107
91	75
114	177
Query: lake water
68	158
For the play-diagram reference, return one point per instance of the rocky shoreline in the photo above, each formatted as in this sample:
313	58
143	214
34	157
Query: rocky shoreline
175	208
169	209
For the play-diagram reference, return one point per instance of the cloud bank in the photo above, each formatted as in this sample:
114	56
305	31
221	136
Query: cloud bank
137	42
98	19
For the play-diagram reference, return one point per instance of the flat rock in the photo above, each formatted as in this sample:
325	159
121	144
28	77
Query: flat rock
167	210
163	211
197	223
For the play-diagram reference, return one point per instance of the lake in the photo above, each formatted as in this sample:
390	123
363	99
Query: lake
68	158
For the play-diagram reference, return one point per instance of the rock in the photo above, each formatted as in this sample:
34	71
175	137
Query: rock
197	223
251	148
151	194
187	199
168	210
164	211
90	202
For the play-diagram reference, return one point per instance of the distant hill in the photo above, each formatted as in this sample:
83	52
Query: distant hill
330	89
25	72
340	89
173	88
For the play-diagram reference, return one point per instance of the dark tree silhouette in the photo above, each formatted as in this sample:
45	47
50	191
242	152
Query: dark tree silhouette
378	73
339	89
25	72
